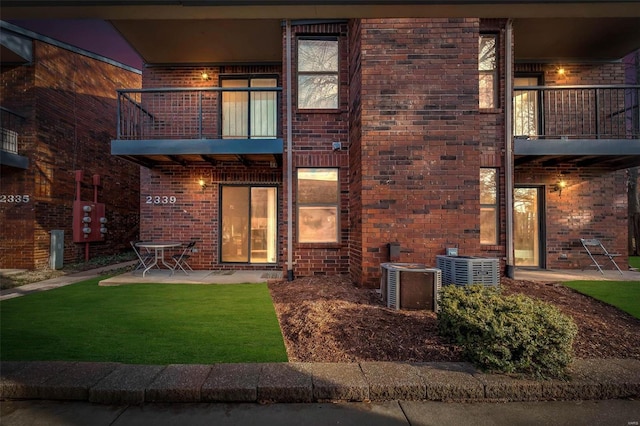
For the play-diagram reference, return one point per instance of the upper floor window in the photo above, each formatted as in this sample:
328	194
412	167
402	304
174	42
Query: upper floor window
488	70
318	73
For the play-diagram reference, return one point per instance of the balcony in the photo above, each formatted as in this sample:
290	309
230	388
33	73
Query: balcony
10	126
194	126
581	125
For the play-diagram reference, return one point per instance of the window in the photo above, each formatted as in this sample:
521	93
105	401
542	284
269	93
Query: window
318	199
488	71
317	73
488	206
249	115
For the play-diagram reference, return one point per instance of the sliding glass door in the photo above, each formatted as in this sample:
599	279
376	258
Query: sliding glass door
249	218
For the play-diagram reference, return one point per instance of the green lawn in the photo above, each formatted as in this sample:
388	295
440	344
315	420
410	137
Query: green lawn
624	295
143	324
634	261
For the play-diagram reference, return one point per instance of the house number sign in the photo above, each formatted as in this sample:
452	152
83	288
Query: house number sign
4	198
160	199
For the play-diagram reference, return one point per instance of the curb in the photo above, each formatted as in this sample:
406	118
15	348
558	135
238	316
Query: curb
115	383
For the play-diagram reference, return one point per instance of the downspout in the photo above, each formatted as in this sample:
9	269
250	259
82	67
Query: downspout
508	137
289	156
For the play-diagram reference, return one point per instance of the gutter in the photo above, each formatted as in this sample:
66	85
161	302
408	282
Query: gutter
508	137
288	136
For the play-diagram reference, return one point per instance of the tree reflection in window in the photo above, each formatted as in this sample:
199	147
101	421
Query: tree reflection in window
488	71
488	206
317	73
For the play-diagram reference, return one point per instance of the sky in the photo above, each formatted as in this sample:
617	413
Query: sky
96	36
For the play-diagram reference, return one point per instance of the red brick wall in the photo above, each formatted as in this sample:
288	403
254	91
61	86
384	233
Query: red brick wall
313	134
69	101
195	214
420	145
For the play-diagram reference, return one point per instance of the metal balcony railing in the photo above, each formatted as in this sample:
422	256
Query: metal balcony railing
205	113
10	124
577	112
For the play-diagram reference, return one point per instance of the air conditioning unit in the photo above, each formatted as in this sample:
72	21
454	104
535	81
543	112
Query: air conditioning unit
410	286
468	270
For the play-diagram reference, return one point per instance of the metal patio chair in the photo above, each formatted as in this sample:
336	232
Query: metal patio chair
595	249
144	256
182	258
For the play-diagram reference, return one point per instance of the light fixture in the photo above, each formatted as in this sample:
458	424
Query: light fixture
203	184
561	71
559	186
204	76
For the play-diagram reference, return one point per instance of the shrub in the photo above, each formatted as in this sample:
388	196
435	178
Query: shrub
508	334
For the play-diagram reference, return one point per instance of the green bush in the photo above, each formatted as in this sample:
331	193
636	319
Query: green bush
508	334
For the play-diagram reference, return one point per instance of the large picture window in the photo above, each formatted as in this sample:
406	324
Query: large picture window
317	73
488	71
318	200
488	206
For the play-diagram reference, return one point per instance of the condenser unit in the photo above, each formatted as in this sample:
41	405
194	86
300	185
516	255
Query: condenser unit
468	270
410	286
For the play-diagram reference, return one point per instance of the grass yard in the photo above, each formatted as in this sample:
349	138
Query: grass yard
634	261
624	295
143	324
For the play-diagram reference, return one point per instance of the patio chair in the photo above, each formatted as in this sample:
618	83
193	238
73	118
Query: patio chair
182	258
144	256
595	249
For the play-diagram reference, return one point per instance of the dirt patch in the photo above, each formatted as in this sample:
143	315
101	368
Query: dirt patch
328	319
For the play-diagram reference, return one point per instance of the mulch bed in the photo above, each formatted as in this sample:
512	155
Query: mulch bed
328	319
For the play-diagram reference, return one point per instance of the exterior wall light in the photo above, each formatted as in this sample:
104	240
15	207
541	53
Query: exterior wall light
202	184
559	186
561	71
205	76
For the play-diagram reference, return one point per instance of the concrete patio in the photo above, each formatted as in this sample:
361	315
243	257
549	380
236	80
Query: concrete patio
164	276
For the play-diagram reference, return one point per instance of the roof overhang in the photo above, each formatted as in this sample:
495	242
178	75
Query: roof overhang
242	31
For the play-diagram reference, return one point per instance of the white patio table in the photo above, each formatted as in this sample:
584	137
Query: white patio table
158	247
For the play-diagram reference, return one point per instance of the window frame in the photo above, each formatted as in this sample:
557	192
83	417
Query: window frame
494	72
335	73
300	206
495	206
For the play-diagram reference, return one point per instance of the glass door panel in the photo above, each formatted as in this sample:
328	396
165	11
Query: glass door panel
525	108
249	224
235	111
263	110
527	227
263	224
235	224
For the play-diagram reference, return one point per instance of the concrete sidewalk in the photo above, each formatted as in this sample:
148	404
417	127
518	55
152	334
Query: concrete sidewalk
114	383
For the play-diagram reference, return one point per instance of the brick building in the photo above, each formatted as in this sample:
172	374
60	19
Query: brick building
310	145
58	114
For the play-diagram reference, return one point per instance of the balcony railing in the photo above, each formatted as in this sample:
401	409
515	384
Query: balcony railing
577	112
205	113
10	123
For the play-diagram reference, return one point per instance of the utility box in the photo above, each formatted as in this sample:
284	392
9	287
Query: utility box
410	286
468	270
56	252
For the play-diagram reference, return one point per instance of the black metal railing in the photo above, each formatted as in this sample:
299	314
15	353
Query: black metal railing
577	112
186	113
10	126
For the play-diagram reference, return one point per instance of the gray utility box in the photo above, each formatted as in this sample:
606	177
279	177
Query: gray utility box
56	254
410	286
468	270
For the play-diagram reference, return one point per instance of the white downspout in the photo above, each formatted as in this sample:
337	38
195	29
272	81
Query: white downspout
289	155
508	136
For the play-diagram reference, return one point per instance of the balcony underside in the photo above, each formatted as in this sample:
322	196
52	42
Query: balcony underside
13	160
610	154
185	152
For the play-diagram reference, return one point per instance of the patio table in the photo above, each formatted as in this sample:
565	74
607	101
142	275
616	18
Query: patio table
158	247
